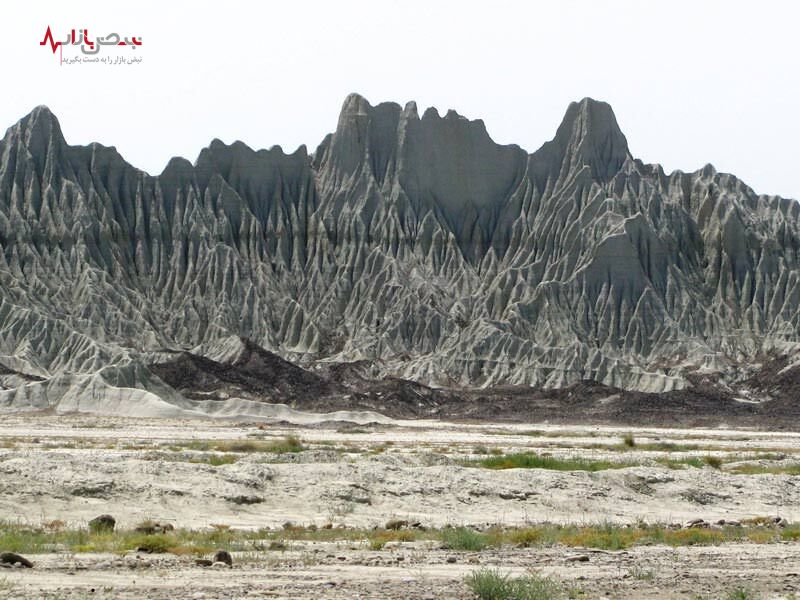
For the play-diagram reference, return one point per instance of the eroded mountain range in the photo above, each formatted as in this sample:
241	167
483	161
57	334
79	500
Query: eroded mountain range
407	249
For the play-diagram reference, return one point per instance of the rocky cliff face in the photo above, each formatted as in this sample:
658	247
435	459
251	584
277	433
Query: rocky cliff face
415	243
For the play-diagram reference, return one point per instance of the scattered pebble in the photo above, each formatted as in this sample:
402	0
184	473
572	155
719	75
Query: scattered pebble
224	557
12	559
578	558
102	523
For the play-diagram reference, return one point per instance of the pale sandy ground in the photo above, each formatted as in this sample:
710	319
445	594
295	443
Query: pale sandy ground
768	571
74	467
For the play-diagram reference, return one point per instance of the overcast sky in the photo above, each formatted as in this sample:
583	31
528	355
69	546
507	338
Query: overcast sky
691	82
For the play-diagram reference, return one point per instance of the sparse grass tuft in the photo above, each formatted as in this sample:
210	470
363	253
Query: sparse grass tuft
530	460
191	549
740	593
461	538
526	536
156	543
492	584
641	574
217	460
756	469
489	584
629	440
681	463
791	533
757	521
277	545
378	539
694	537
536	587
53	525
24	538
380	448
287	444
606	537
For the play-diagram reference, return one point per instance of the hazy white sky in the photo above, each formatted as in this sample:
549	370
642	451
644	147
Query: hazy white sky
691	81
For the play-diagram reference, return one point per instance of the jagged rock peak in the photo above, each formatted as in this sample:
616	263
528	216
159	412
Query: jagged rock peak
410	110
40	115
589	135
240	148
37	130
593	119
355	104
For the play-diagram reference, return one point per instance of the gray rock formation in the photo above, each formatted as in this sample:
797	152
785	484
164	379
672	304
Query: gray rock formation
414	243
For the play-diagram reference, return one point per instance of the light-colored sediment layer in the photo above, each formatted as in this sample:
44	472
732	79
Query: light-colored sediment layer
73	468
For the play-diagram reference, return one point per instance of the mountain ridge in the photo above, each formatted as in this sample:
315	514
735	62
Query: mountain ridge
417	243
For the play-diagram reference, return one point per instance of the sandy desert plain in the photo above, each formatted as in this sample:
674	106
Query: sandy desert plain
363	507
